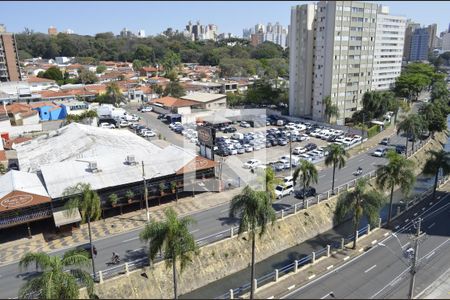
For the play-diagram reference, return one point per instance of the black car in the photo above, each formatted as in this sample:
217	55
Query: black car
161	117
229	129
308	192
222	152
400	149
311	146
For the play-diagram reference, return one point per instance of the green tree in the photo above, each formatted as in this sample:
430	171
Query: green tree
2	169
157	89
358	203
53	73
254	209
399	171
410	85
171	60
412	125
174	89
267	50
435	117
87	201
439	90
138	64
113	93
173	239
143	53
53	282
331	110
336	157
269	181
308	175
100	69
437	160
87	77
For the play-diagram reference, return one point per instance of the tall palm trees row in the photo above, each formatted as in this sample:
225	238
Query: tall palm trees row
172	238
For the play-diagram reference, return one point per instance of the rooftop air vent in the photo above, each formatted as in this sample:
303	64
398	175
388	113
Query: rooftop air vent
131	160
93	167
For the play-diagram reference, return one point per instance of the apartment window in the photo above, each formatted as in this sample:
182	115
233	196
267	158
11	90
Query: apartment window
355	38
360	29
357	9
356	19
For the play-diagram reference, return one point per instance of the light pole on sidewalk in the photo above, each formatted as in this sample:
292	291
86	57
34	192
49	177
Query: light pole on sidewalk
413	270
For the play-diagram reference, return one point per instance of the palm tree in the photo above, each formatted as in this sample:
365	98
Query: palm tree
113	93
255	210
54	282
173	239
336	157
331	110
437	160
269	181
359	203
399	171
308	174
82	197
412	126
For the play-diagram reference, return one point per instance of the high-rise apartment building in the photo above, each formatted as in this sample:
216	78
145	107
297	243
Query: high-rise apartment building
446	42
141	33
260	33
410	27
388	54
419	45
9	59
338	49
432	33
199	32
52	31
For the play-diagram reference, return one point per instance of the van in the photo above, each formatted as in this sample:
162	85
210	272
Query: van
237	136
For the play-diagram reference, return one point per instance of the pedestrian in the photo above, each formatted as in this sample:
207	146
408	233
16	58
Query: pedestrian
95	251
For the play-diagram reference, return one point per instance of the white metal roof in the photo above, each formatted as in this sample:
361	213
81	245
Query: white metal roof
21	181
203	97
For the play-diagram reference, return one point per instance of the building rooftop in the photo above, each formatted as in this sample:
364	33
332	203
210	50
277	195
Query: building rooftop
21	181
173	102
203	97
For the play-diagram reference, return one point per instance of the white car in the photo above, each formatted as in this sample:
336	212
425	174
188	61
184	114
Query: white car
147	109
245	124
248	148
284	190
173	125
303	137
299	150
107	125
288	179
148	133
380	152
252	163
123	123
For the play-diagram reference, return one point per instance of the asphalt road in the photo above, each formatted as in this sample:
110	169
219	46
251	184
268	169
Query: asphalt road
382	272
209	222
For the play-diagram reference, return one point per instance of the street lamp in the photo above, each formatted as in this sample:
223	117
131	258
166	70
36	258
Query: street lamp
146	192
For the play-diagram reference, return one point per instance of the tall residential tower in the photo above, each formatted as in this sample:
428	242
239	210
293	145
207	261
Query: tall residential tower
341	49
9	59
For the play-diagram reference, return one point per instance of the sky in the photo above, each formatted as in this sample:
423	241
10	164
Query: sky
91	17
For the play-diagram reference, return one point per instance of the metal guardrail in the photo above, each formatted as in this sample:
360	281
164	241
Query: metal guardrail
228	233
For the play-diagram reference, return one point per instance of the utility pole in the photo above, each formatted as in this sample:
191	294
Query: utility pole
145	193
290	152
414	260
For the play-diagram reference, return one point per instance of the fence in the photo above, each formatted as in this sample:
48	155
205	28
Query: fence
231	232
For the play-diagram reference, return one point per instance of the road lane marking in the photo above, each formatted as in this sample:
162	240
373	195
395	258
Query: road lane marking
407	220
194	230
431	225
386	234
374	241
291	287
224	210
347	257
327	295
370	269
361	250
361	159
396	227
136	250
321	176
129	240
329	267
312	276
405	245
430	255
423	208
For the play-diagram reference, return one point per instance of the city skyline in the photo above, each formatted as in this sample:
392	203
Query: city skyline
155	17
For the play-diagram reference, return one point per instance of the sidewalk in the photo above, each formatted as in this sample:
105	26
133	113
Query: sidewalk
439	289
320	267
12	251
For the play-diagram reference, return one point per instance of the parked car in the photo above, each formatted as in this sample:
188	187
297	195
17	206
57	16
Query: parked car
244	124
147	109
107	125
310	146
308	192
123	123
229	129
251	164
380	152
385	141
299	150
283	190
148	133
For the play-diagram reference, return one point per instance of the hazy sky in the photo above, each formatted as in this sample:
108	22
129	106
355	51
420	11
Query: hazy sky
154	17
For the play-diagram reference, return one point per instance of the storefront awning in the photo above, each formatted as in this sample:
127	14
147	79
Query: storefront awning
64	217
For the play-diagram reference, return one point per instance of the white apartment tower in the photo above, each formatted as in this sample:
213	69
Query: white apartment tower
336	50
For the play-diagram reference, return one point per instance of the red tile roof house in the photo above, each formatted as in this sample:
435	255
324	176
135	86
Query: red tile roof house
9	144
150	71
22	114
173	105
40	84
